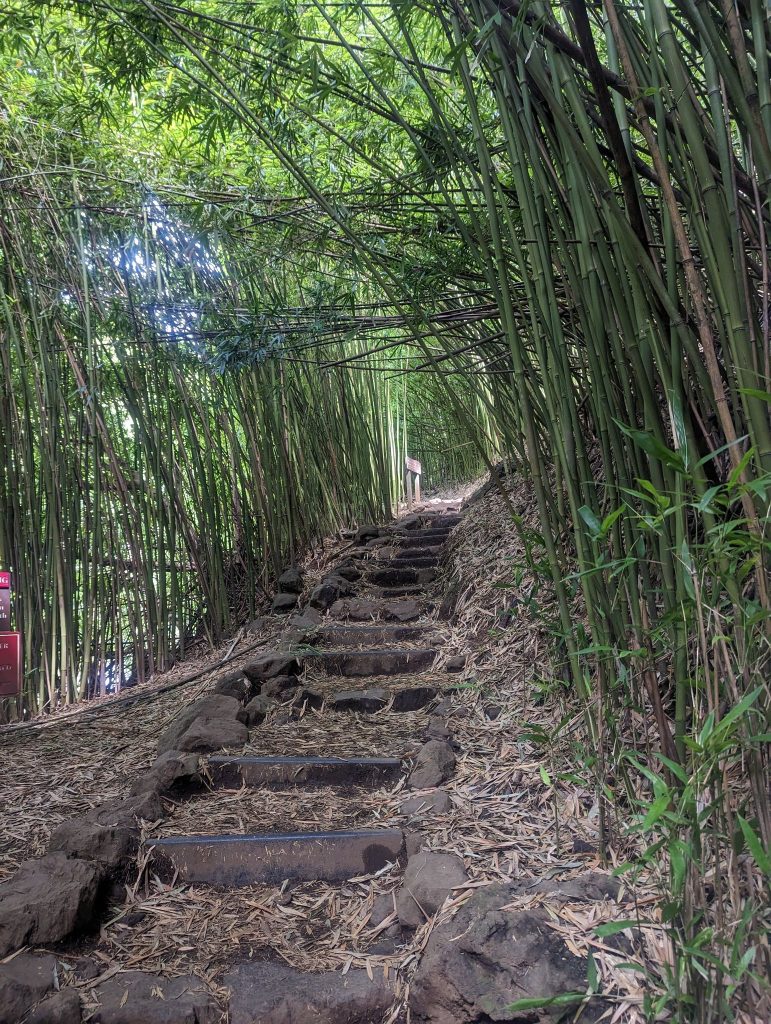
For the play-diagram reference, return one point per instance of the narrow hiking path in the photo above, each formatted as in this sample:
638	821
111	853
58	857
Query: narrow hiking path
328	816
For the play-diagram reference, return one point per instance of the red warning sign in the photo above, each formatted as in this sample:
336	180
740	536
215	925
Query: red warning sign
10	664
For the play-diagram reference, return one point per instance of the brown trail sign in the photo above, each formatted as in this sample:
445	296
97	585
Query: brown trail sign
10	664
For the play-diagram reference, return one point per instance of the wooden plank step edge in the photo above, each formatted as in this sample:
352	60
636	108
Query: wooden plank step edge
296	770
273	857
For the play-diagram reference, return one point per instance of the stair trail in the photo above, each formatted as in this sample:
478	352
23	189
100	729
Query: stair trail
365	657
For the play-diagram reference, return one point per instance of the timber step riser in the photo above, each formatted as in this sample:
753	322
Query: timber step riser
400	576
234	772
372	663
429	538
353	636
236	860
408	590
412	562
370	701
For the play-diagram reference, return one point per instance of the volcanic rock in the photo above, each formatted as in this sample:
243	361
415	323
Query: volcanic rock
270	665
112	846
172	772
257	709
62	1008
291	581
428	880
236	685
434	764
47	899
486	958
436	802
24	981
283	604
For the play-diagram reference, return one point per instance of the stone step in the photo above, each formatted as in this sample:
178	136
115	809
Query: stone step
375	698
407	590
315	771
420	538
372	662
429	551
398	576
365	609
271	858
354	636
413	562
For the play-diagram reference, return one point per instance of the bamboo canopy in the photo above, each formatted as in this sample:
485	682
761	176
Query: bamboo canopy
255	253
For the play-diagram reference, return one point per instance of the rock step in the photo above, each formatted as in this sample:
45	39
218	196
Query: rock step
315	771
271	858
407	590
420	538
374	610
372	662
403	551
376	698
390	577
417	562
343	636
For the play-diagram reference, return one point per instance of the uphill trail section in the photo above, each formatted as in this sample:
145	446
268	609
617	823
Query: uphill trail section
339	827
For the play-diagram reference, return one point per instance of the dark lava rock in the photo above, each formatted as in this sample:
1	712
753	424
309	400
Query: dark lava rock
402	611
273	993
61	1008
413	698
273	687
437	802
484	959
382	908
291	581
436	729
366	532
306	619
257	709
143	806
330	590
215	706
428	880
360	610
112	846
24	981
270	665
283	604
208	734
137	997
172	772
309	698
456	664
582	846
493	711
366	701
46	900
350	573
238	686
434	764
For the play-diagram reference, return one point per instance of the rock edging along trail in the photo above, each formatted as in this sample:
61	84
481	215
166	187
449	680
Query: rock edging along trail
332	665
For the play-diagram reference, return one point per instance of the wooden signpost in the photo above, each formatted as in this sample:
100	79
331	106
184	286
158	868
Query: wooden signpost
413	471
10	644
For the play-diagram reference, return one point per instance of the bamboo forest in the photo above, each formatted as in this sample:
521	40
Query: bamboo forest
385	481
